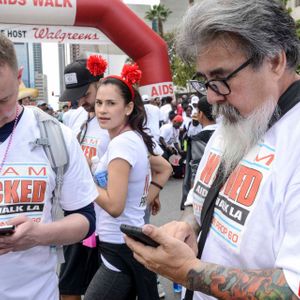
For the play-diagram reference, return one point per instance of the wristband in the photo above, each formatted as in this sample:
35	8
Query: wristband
156	184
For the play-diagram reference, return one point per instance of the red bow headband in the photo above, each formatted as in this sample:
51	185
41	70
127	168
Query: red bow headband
96	64
130	75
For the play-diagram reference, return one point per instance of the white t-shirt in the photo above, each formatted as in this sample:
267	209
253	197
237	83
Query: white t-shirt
152	124
186	122
256	220
130	147
95	140
27	182
193	130
74	118
170	134
66	116
164	112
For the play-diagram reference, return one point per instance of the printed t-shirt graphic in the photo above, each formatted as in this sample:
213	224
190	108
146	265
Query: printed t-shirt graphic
143	202
22	190
95	141
89	146
236	199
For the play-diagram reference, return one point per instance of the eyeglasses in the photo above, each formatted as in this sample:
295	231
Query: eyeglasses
219	86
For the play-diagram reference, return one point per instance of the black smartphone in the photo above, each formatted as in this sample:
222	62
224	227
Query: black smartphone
7	230
137	234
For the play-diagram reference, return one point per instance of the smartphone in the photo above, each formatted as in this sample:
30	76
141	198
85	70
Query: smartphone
7	230
137	234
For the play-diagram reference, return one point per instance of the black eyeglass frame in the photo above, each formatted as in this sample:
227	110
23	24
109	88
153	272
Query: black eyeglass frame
194	83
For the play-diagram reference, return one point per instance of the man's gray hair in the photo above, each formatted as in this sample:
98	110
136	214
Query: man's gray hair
8	53
262	28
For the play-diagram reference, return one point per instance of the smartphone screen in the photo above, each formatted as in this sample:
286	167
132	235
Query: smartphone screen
7	230
137	234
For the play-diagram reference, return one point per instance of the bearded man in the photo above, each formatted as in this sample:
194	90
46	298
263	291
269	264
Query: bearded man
246	53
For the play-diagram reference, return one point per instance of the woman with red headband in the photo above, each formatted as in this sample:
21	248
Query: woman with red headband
123	190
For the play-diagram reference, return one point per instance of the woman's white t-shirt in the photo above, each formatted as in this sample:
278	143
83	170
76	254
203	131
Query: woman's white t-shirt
128	146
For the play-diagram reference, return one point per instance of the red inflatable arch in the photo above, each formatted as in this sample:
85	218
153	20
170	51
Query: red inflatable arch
115	20
132	35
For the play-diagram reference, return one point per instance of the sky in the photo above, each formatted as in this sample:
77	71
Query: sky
51	69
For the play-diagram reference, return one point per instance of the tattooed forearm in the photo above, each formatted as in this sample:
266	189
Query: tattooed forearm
227	283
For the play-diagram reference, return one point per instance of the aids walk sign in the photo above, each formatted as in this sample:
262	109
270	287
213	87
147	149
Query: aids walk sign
50	12
111	17
46	14
162	89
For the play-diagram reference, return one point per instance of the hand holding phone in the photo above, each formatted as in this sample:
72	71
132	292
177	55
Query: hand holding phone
137	234
7	230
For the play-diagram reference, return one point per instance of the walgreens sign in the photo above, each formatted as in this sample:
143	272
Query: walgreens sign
53	34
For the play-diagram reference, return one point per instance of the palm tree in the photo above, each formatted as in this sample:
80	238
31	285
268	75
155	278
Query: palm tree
158	14
151	16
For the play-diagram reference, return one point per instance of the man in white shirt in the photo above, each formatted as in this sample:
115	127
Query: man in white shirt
169	142
74	117
169	137
165	109
246	53
152	113
28	257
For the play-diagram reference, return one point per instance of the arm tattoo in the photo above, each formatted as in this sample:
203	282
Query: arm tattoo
228	283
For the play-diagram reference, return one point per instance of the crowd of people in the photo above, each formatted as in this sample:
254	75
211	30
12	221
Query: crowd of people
238	235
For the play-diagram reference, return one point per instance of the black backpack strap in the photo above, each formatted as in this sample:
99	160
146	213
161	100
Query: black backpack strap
206	216
287	101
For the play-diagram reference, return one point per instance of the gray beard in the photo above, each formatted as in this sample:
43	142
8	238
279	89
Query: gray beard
240	133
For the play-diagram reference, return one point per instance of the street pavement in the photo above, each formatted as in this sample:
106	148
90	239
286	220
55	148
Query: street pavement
170	198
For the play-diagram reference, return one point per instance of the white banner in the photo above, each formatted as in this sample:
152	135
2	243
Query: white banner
50	12
161	89
142	2
53	34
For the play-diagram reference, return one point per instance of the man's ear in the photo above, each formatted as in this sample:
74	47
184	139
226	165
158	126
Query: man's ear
278	63
200	115
20	73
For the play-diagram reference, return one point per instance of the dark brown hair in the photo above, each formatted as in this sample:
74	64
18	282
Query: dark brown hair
137	119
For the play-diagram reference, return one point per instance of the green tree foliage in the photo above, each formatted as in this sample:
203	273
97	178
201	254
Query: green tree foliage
158	14
182	72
